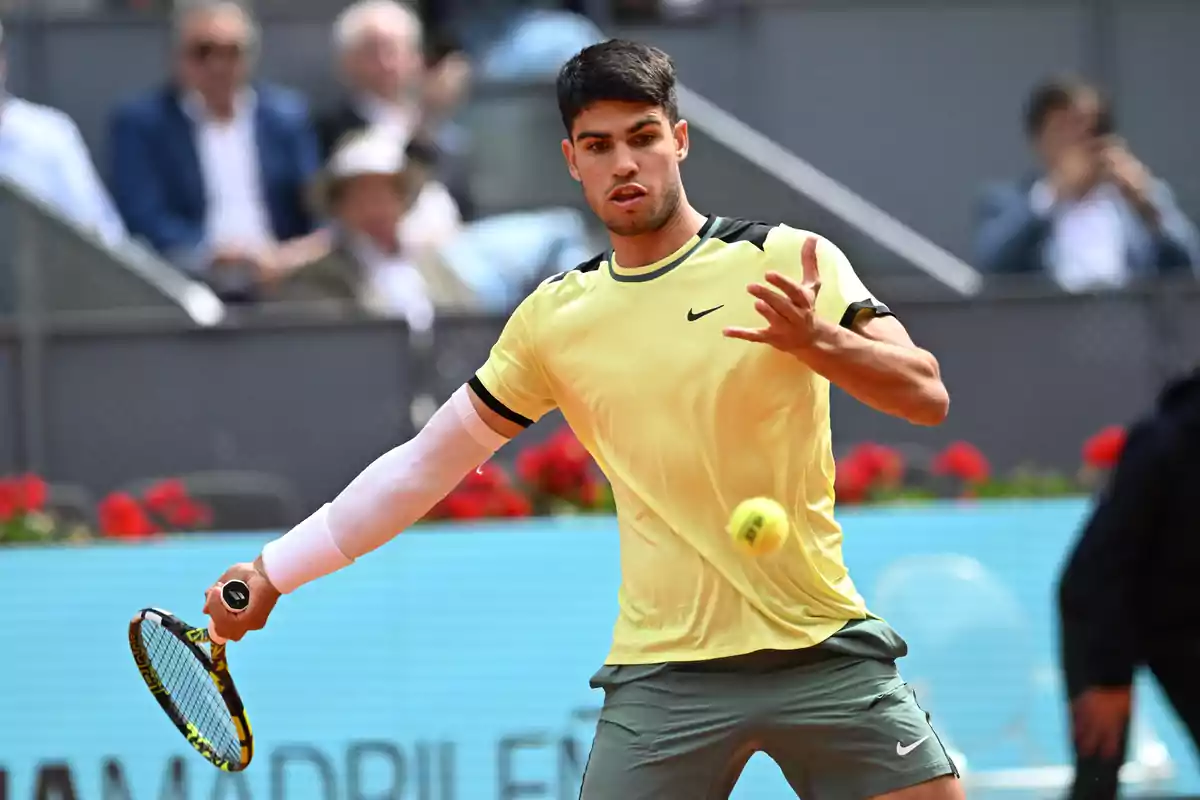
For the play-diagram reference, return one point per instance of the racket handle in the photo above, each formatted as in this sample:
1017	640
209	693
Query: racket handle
213	636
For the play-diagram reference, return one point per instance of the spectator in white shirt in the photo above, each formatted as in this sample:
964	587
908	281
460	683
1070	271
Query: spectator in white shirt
42	151
212	169
381	250
1095	217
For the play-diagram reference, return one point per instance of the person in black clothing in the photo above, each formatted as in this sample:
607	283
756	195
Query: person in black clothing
1127	597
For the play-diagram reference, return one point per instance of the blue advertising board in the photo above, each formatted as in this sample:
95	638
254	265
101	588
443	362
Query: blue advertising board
453	664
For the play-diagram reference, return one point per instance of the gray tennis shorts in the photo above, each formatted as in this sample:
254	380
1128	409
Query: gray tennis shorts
838	720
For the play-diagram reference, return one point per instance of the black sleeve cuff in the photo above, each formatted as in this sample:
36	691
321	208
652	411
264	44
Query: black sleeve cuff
1089	664
852	311
494	404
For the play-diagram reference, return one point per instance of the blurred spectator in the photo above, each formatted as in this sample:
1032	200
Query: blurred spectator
42	151
1094	216
393	223
389	221
535	43
1127	594
392	85
211	169
503	257
440	142
378	44
640	12
392	94
516	39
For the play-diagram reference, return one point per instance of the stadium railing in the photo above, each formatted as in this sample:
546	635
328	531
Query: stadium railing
51	268
49	264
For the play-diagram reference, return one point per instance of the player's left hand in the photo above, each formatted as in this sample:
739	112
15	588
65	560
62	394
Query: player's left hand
790	308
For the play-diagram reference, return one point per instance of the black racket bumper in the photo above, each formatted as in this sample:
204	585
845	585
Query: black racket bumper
235	595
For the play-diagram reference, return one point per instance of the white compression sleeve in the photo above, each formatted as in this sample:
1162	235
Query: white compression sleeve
388	496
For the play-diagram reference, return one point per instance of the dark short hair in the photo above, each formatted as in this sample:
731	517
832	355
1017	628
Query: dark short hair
616	70
1059	94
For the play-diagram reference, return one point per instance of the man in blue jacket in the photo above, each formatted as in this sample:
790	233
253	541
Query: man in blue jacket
212	170
1094	217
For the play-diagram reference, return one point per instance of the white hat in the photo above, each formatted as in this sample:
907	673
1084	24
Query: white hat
370	152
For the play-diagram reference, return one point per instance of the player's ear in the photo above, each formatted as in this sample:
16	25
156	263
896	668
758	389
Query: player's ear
568	150
681	139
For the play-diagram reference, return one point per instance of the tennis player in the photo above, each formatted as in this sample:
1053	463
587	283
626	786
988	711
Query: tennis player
693	360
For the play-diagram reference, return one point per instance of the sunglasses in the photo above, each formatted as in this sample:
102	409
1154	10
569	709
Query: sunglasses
205	51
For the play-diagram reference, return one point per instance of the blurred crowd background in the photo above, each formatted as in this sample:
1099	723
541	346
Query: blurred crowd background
236	236
245	248
270	238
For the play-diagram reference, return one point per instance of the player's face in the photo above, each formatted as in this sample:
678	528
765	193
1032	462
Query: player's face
626	156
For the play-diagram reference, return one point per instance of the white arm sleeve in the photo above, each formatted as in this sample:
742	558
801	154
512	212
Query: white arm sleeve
388	496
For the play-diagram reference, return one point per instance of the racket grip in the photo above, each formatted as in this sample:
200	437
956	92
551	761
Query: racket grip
213	636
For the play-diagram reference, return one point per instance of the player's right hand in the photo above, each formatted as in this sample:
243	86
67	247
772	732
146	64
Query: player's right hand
233	625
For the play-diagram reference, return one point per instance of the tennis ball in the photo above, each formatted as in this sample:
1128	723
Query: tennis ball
759	525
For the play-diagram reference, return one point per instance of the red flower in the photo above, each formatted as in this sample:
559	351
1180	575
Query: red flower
560	467
121	517
464	505
589	492
161	496
21	495
168	502
882	464
186	514
964	461
486	492
513	504
1103	449
531	462
31	493
9	500
852	480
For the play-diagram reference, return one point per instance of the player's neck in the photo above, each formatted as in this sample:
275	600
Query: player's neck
638	251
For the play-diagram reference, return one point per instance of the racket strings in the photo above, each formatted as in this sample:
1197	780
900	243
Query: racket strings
191	690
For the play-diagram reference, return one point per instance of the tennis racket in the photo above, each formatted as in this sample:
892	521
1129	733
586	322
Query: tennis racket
193	684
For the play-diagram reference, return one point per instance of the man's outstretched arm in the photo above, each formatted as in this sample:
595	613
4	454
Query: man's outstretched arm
877	363
856	344
395	491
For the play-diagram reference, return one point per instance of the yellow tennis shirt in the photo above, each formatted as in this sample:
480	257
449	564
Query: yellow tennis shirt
686	423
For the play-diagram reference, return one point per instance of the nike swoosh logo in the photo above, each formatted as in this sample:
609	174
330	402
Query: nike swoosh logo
693	316
902	751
